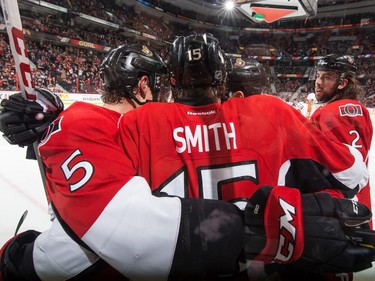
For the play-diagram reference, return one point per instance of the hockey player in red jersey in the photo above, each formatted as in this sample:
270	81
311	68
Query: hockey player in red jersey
244	78
224	151
247	77
108	208
341	116
203	134
330	70
135	68
132	75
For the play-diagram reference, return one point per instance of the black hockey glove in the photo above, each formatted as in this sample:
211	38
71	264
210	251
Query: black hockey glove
16	260
23	122
314	232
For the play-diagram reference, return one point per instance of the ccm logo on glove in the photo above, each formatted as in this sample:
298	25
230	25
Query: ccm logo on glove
275	214
287	232
282	207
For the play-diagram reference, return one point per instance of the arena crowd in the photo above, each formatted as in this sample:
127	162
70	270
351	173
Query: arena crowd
63	66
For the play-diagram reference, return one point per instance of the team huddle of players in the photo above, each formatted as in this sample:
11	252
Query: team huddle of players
195	189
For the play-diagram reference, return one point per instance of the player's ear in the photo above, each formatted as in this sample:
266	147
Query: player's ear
143	85
238	94
342	84
143	82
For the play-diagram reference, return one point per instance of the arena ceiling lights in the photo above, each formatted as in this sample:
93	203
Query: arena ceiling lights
229	5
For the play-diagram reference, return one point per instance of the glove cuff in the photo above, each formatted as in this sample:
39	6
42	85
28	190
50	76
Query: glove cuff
16	257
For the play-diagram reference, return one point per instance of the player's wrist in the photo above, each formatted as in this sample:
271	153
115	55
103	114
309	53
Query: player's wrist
16	257
315	231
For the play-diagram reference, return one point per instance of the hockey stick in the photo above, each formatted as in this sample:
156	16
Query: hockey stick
363	237
18	47
22	219
21	60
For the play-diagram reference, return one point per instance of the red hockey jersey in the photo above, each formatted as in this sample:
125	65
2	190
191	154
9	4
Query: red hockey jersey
212	151
348	121
100	202
227	151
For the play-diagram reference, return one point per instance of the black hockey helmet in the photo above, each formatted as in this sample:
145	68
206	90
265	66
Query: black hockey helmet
197	60
247	75
342	64
123	66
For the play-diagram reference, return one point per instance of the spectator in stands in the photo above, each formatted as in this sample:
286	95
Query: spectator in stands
281	44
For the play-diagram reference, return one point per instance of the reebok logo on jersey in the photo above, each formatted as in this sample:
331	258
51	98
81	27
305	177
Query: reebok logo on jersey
211	112
350	110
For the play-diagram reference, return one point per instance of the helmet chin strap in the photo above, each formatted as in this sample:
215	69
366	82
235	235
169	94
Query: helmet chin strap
133	97
331	98
334	96
154	94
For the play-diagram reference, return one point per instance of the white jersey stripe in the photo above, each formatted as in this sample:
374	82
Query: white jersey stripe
137	233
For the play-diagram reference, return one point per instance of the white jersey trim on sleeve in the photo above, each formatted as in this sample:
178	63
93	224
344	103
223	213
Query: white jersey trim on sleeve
57	257
137	232
356	175
282	173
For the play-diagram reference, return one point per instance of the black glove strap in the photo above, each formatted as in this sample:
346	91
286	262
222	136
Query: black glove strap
17	261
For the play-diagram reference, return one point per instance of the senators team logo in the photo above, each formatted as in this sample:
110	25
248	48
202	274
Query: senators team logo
350	59
239	62
350	110
146	51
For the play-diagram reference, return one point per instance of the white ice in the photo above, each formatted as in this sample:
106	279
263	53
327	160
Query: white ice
21	189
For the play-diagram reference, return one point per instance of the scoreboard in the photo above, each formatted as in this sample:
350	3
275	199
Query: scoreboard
273	10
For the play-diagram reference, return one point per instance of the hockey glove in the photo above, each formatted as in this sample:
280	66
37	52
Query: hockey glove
315	231
23	122
16	260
